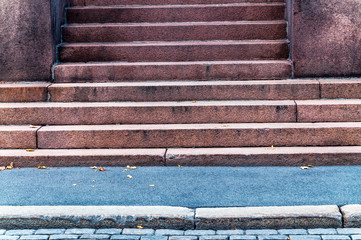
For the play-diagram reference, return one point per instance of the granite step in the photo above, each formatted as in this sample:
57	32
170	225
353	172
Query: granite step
160	2
177	13
261	30
199	135
168	71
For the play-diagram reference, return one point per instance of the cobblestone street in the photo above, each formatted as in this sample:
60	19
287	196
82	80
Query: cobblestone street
170	234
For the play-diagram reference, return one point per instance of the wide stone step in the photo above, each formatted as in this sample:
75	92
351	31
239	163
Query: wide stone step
200	135
23	92
155	71
159	2
147	112
185	91
174	51
256	156
18	136
177	13
174	31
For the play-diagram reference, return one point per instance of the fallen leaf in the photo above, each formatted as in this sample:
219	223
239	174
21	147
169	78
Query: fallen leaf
234	228
140	227
225	125
179	165
2	168
101	169
74	184
304	167
30	150
32	126
42	167
11	166
272	147
129	176
152	185
94	167
194	101
310	166
93	186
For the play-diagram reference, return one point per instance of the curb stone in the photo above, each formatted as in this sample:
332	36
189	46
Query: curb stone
178	218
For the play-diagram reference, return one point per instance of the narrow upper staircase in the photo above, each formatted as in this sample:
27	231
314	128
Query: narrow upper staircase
175	82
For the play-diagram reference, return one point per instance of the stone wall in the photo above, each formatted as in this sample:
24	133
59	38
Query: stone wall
326	38
29	31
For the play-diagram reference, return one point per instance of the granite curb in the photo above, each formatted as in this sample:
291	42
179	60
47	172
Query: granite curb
161	217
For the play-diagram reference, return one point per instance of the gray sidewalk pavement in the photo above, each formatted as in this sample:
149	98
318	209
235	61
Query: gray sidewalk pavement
182	186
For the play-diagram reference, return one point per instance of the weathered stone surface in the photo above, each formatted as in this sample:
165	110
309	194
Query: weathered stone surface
351	215
95	217
326	38
268	217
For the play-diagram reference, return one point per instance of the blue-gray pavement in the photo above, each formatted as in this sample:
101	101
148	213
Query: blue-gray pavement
182	186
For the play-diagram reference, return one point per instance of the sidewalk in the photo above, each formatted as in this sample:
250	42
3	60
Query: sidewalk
181	197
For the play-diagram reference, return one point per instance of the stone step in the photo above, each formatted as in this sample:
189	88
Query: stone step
18	137
199	135
160	2
23	92
147	112
185	91
155	71
271	30
256	156
177	13
174	51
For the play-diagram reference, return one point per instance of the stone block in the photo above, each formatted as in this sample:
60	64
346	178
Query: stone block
20	232
323	231
199	232
292	231
110	231
34	237
168	232
50	231
261	232
349	231
351	215
136	231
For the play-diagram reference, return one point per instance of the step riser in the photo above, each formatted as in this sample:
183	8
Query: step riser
282	112
185	71
266	91
261	12
51	138
187	32
159	2
17	137
188	52
23	92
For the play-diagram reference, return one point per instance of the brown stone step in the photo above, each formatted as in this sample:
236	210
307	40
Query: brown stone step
257	156
185	91
264	156
174	31
200	135
174	51
147	112
155	71
340	87
18	137
160	2
23	92
177	13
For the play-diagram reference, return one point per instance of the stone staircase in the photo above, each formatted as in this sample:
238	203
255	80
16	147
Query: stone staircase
197	82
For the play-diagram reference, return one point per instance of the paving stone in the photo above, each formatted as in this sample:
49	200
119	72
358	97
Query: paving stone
242	237
136	231
348	231
80	231
335	237
213	237
2	231
230	232
158	237
183	238
261	232
305	237
272	237
63	236
322	231
356	237
20	232
351	215
8	237
168	232
292	231
125	237
199	232
49	231
34	237
111	231
95	236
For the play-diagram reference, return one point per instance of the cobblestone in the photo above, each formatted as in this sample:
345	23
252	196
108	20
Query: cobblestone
169	232
110	231
125	237
323	231
230	232
242	237
183	238
34	237
349	231
8	237
199	232
63	236
305	237
261	232
273	237
2	231
95	236
356	237
335	237
80	231
20	232
158	237
136	231
213	237
292	231
49	231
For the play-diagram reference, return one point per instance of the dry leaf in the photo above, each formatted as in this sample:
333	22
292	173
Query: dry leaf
2	168
94	167
304	167
140	227
272	147
194	101
129	176
32	126
152	185
42	167
179	165
74	184
30	150
234	228
101	169
11	166
310	166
